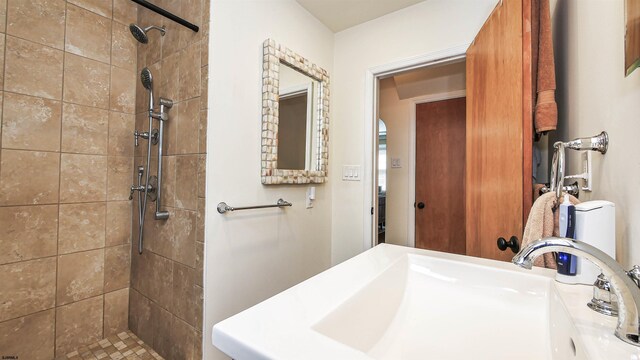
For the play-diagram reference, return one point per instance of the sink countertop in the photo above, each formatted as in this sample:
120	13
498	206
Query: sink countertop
288	325
596	330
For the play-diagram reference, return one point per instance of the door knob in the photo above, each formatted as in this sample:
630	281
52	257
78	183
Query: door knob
421	205
512	244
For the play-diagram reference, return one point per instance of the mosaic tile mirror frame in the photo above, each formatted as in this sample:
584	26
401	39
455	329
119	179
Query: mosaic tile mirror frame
315	171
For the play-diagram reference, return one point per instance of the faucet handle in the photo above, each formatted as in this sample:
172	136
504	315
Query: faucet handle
133	189
634	274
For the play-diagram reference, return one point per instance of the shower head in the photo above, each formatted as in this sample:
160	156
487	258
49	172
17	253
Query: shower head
147	79
141	34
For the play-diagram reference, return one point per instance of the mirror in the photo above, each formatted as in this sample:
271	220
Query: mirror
632	36
295	121
295	125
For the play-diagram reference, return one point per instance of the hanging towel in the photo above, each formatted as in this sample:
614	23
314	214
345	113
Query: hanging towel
544	221
544	73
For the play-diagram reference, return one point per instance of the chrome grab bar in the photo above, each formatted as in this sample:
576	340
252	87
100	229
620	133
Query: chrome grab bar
599	143
223	207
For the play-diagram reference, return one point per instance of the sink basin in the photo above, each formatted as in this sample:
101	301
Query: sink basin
449	310
394	302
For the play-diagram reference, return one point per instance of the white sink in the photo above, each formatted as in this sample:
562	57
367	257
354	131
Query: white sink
397	303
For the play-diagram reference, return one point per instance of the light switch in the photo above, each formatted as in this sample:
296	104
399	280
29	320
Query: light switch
351	173
395	163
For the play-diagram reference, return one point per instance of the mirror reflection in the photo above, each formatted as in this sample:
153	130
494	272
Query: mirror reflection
297	123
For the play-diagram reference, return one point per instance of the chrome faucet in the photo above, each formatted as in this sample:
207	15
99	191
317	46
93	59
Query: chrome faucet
623	283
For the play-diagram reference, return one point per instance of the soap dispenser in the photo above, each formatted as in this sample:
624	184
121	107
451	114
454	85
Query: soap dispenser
595	224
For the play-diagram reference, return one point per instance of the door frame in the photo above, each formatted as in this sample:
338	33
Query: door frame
370	165
411	161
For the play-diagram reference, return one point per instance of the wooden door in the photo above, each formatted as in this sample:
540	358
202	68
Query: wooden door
499	130
440	152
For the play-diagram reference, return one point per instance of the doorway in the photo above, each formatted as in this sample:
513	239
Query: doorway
405	100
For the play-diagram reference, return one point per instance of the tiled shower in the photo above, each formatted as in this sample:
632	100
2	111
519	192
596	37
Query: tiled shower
70	273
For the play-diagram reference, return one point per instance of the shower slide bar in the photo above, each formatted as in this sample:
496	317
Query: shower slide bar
167	14
223	207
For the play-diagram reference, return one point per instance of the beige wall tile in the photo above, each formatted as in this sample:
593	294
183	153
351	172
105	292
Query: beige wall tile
119	182
2	43
192	11
78	324
154	277
88	34
82	227
116	310
185	237
190	71
199	302
83	178
162	323
100	7
28	177
204	87
117	266
125	11
202	175
169	181
161	276
32	69
3	15
171	43
183	338
198	272
28	232
86	81
200	220
171	130
84	129
198	345
121	128
188	126
140	319
202	132
159	234
27	287
123	90
119	214
170	81
80	276
187	177
123	47
183	303
204	50
29	337
41	21
31	123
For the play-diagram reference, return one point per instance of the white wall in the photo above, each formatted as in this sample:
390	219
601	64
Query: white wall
253	255
593	95
420	29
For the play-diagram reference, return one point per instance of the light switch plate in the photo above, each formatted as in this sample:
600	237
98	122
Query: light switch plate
395	163
351	173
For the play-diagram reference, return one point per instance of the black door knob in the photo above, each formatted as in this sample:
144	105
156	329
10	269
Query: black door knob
421	205
512	244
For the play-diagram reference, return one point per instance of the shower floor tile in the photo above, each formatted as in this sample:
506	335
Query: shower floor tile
125	345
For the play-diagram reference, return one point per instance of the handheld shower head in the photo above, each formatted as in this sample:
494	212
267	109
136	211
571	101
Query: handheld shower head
147	79
141	33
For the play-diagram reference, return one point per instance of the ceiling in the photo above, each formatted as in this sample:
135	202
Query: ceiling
430	80
338	15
